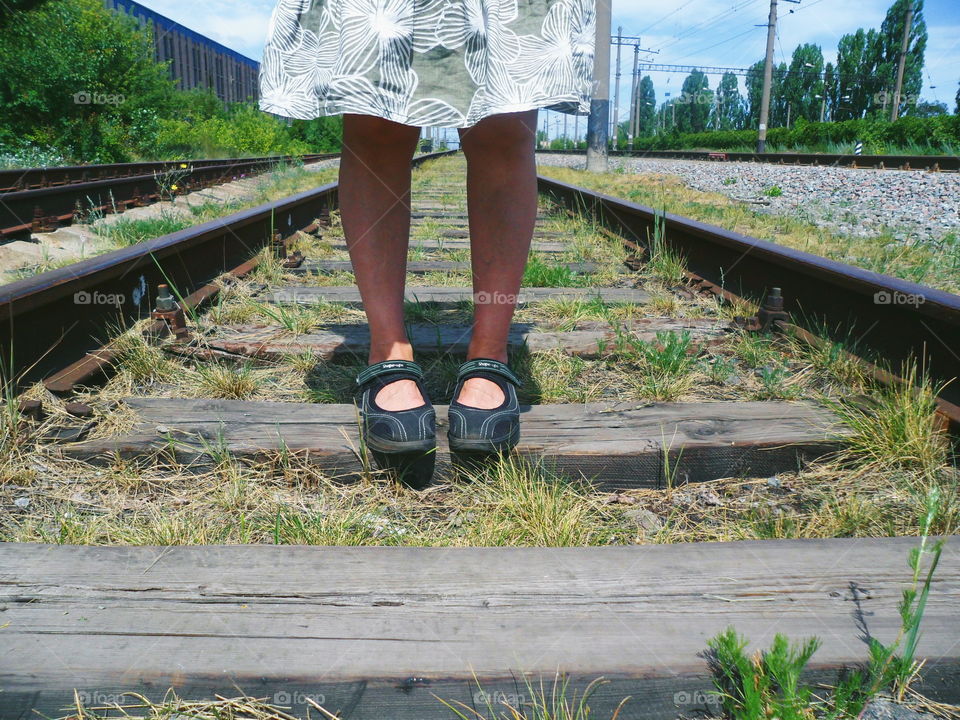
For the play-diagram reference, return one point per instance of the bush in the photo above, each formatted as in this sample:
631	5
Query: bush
936	135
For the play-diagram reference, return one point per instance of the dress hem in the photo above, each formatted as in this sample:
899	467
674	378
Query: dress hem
546	104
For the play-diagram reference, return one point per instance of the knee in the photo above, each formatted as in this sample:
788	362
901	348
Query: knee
370	135
506	135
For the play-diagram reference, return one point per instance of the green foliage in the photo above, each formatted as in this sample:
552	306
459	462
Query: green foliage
695	103
241	130
766	685
934	135
730	110
79	82
646	106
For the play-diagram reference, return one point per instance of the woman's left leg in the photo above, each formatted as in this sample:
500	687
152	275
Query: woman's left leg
502	208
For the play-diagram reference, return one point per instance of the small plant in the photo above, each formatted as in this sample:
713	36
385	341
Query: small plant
234	383
665	365
719	369
541	274
665	263
898	430
730	181
764	685
775	384
895	666
559	702
773	191
295	321
767	685
171	181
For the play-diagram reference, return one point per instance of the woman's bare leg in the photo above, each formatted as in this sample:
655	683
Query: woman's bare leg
375	210
502	204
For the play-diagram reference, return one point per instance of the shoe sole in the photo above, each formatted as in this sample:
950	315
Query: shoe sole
468	445
400	447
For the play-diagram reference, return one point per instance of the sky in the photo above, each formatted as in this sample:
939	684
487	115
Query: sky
685	32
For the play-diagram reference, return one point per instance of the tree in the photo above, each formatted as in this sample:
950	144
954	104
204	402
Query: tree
646	107
889	43
75	75
10	8
957	111
754	93
729	114
696	101
926	109
778	101
831	93
857	83
803	83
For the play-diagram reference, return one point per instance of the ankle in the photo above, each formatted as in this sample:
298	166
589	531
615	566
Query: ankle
391	351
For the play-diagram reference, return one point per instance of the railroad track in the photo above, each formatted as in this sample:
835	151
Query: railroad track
605	339
932	163
35	200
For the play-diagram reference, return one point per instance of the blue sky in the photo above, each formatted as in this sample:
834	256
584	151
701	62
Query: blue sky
705	32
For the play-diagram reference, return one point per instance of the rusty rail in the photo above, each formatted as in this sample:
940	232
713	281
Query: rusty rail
43	209
932	163
893	320
60	319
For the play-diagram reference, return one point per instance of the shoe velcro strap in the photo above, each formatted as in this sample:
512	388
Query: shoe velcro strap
390	367
486	365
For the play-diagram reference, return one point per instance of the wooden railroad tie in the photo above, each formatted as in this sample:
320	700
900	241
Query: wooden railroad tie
383	632
612	445
312	295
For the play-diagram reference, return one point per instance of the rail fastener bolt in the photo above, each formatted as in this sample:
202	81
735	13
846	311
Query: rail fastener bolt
771	311
170	313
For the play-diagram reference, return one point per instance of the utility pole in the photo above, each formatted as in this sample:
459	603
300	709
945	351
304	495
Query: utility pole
768	75
616	92
600	98
907	29
634	89
767	78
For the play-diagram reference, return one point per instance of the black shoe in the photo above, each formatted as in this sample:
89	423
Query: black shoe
475	430
402	440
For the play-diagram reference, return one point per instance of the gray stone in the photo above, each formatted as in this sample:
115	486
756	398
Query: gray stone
646	520
887	709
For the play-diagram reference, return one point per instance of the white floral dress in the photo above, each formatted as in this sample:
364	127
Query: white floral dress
430	63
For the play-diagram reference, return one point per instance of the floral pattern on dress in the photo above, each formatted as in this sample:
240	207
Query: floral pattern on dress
433	63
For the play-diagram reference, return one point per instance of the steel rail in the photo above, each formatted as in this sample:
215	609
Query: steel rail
44	209
892	320
16	179
933	163
54	319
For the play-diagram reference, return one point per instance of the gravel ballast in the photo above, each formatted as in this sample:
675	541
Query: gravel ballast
910	205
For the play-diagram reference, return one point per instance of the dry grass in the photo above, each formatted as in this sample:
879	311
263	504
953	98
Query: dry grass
893	457
929	264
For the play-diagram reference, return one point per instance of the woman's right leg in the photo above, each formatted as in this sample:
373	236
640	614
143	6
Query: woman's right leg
375	212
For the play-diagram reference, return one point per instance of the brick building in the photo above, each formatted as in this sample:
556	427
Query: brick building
196	60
